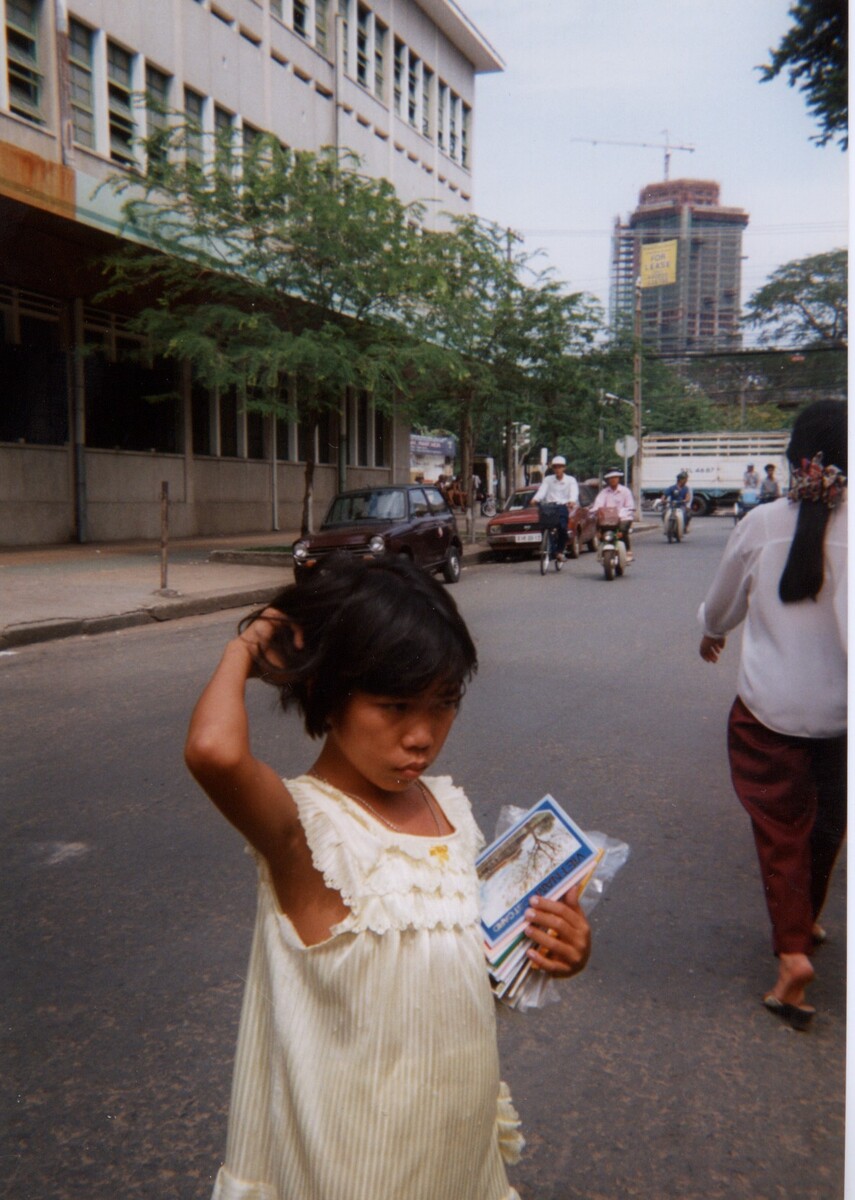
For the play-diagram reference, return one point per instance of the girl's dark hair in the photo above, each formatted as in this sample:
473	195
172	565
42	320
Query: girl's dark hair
381	626
818	429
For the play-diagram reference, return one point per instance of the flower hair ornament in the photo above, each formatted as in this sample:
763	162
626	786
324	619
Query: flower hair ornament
817	484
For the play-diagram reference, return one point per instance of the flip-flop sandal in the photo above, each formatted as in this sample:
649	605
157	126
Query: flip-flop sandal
796	1017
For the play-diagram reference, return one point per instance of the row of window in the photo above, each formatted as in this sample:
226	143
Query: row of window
120	414
97	64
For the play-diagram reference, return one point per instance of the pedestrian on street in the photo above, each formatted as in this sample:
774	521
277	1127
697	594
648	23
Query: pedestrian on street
784	574
367	1063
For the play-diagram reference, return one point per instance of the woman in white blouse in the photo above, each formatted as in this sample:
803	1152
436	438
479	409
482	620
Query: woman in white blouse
784	574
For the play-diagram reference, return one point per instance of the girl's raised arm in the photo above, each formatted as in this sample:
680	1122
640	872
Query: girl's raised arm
218	752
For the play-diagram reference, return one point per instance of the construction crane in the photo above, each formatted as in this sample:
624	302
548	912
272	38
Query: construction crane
667	146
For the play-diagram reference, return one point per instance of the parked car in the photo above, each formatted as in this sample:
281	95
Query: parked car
516	532
414	521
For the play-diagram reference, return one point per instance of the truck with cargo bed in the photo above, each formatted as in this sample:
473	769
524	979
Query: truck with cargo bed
715	462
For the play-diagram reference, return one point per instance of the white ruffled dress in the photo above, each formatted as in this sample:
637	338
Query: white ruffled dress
367	1065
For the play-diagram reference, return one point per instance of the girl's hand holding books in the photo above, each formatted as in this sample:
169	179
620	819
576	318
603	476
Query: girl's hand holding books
561	935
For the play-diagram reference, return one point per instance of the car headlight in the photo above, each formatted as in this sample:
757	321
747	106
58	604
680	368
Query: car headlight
300	551
377	544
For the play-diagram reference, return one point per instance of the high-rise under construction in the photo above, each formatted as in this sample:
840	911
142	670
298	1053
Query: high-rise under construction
700	309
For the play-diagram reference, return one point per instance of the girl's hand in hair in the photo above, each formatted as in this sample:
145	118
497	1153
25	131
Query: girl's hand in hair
561	935
264	638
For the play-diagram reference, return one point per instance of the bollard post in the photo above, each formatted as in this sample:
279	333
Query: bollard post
164	534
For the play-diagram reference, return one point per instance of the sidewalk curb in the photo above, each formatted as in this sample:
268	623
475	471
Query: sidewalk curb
35	632
31	633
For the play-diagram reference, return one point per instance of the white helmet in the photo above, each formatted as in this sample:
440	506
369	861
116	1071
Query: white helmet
559	461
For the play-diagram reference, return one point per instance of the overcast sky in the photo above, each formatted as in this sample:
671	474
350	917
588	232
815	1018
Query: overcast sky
628	70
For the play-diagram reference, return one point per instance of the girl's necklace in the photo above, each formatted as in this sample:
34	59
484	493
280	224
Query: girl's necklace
364	803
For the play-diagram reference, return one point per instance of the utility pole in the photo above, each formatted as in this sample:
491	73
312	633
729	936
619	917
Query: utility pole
510	439
636	397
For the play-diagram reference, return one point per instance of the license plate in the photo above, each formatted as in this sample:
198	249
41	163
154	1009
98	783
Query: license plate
527	537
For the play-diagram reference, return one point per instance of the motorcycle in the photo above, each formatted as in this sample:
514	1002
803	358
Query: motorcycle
673	520
611	551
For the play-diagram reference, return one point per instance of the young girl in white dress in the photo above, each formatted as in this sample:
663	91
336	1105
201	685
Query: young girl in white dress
367	1064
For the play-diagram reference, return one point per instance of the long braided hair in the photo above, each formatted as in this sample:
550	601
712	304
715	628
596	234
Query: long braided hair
818	454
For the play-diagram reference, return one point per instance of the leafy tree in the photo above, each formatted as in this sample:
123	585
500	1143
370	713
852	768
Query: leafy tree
814	54
269	267
508	332
804	302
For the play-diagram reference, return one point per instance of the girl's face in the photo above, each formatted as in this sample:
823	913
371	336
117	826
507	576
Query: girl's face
389	741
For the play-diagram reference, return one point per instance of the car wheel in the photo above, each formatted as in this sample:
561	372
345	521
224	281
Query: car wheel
451	566
574	545
700	506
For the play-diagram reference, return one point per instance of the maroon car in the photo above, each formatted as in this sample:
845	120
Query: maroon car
411	520
516	532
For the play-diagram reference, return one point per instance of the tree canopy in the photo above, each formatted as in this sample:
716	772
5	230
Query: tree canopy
814	53
803	303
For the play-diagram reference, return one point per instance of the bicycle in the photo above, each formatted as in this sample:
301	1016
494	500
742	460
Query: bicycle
550	519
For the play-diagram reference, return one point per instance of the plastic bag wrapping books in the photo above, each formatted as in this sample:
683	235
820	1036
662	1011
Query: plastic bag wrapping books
539	851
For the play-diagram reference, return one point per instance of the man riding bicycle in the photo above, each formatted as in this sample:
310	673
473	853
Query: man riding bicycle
559	488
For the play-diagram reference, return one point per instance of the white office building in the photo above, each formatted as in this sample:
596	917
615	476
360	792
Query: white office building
82	453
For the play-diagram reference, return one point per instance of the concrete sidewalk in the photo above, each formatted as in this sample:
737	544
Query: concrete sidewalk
49	592
64	591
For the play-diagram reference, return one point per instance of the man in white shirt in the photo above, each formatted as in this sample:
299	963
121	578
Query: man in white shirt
616	495
559	488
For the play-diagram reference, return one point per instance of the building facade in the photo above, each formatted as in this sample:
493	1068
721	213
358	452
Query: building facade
82	452
701	310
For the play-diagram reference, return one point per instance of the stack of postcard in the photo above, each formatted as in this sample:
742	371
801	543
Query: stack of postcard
543	853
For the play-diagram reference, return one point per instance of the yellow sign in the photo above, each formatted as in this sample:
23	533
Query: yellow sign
658	264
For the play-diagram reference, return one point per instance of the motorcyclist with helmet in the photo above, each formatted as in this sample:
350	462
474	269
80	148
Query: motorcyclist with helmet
680	493
615	495
562	489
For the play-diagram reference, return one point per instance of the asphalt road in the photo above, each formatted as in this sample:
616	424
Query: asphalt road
129	903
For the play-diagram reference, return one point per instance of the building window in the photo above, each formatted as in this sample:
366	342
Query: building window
441	114
344	13
194	110
322	26
413	91
427	96
119	89
362	31
249	136
380	35
400	55
22	50
157	87
223	136
466	136
82	91
33	381
454	109
382	439
301	18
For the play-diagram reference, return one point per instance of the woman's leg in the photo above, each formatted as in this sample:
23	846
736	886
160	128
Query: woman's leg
829	829
773	778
